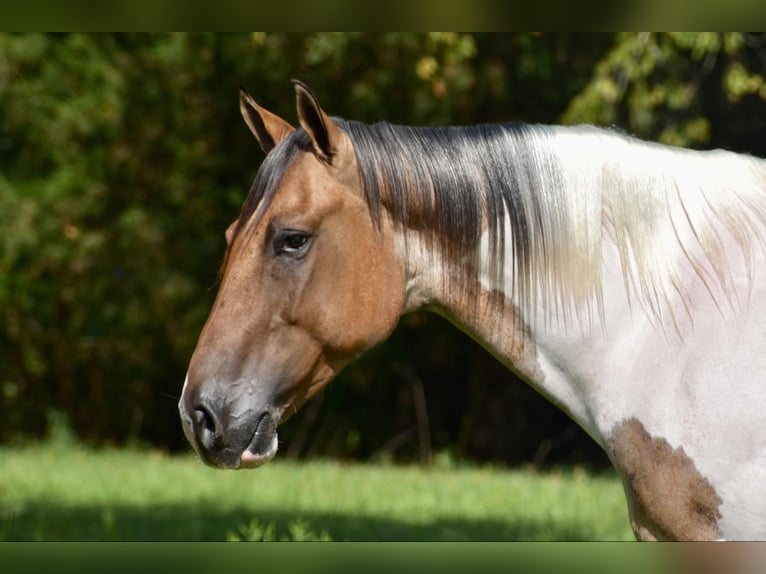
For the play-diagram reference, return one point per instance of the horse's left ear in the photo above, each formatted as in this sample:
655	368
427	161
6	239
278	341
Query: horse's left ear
324	133
269	129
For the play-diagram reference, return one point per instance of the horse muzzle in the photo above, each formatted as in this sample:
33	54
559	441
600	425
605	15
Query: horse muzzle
228	431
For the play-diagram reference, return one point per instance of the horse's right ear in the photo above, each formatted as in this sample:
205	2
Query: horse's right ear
269	129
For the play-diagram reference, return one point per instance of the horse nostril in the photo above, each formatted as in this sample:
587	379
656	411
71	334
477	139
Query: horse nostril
207	427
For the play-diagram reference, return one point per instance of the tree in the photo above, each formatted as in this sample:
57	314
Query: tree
686	89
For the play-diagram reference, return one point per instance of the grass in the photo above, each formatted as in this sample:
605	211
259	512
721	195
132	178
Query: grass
65	492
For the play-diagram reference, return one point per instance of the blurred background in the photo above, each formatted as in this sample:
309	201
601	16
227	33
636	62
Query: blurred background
123	158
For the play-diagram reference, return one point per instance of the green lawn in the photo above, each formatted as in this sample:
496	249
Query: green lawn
62	492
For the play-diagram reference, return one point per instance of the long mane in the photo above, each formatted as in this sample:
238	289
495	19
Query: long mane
542	200
529	207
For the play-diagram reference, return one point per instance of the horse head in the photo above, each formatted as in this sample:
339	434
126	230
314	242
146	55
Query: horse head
310	280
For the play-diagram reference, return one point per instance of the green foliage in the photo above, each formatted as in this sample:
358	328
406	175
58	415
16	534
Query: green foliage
297	531
123	159
673	88
114	195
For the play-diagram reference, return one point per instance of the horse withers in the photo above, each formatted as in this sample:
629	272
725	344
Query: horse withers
624	280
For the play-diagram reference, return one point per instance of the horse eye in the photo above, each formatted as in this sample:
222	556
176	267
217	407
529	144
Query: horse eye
291	243
295	241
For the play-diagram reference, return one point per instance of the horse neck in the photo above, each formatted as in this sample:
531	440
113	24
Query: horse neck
493	319
599	281
498	293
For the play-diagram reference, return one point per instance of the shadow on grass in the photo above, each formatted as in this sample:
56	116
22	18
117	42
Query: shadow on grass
44	522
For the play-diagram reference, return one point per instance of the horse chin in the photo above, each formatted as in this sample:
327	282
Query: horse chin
254	460
263	445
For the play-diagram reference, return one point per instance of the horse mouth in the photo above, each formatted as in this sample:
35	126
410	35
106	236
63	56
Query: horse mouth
263	446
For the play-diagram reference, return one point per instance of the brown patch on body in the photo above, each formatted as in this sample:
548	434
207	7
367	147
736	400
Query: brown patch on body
505	332
668	498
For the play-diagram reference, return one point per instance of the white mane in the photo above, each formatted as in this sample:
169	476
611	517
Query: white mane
651	201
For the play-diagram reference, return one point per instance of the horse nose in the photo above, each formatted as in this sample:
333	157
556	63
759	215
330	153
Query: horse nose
224	425
209	426
206	425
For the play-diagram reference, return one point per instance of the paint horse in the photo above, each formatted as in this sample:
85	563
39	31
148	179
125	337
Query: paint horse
624	280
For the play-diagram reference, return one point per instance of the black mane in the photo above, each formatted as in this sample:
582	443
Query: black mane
453	183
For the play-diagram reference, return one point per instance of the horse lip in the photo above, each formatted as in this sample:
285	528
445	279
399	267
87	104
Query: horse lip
263	445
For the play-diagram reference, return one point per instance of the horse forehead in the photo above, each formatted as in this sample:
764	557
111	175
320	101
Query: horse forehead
307	186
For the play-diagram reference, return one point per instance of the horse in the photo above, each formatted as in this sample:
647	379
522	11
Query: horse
623	280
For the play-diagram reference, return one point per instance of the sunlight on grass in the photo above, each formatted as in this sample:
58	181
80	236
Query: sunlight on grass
64	492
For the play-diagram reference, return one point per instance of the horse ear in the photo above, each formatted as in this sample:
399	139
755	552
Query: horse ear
269	129
324	133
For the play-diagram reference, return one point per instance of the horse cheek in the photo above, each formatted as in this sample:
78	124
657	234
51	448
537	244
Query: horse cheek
378	293
361	299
